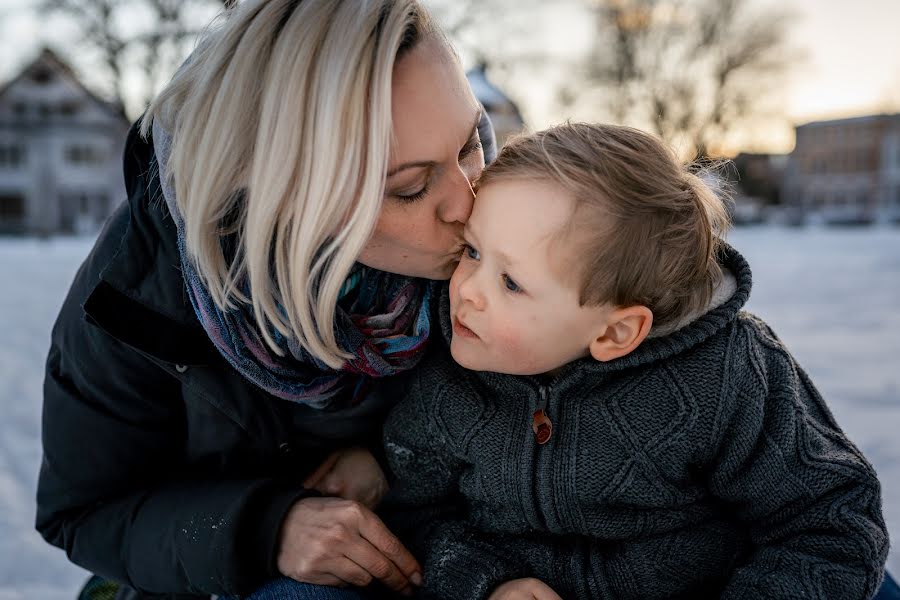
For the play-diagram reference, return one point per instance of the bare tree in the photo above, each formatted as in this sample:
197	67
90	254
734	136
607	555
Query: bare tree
499	33
151	36
692	70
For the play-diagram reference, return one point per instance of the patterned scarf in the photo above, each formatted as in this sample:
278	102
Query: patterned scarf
382	319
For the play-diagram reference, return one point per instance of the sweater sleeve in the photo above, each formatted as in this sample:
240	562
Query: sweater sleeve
809	499
425	510
114	490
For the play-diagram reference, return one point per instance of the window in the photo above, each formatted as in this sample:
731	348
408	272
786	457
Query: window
84	155
41	75
68	109
11	156
12	208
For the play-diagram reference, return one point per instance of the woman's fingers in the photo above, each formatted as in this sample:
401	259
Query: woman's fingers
344	540
379	566
386	543
350	573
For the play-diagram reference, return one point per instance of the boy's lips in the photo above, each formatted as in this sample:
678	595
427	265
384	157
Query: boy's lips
461	330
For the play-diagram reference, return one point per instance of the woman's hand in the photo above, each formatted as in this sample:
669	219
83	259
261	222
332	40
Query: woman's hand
352	474
524	589
331	541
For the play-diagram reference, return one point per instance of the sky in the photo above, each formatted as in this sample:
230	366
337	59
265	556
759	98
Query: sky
852	63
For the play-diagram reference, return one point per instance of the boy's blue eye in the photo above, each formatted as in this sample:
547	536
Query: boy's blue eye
510	284
472	252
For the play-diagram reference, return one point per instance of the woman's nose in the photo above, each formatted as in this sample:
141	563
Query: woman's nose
457	206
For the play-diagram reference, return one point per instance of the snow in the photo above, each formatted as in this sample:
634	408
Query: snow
833	296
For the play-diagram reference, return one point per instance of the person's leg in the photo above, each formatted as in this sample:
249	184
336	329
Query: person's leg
889	589
288	589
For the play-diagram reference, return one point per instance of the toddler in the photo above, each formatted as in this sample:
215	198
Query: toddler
601	419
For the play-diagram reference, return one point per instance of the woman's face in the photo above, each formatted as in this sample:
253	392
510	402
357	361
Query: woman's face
435	156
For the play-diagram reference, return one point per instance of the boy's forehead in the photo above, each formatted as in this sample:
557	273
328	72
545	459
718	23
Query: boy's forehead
532	209
525	220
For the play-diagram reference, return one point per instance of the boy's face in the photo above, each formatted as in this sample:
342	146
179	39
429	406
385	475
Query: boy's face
512	310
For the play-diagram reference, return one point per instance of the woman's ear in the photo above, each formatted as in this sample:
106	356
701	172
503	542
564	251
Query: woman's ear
625	329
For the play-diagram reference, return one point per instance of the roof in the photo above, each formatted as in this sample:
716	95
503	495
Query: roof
50	58
486	92
851	120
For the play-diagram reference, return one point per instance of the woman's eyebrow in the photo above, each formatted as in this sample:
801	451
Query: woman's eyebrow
411	165
474	131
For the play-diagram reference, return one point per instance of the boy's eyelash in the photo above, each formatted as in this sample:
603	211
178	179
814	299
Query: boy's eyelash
509	280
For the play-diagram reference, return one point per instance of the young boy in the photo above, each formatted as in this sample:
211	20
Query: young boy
604	421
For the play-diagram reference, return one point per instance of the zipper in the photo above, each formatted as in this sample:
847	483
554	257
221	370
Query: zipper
541	424
541	459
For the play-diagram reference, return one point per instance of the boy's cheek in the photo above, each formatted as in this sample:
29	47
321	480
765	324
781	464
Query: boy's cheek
511	348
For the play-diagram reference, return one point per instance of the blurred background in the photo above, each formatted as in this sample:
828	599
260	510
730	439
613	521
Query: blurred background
801	96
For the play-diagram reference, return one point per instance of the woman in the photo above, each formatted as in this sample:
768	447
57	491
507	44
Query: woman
312	163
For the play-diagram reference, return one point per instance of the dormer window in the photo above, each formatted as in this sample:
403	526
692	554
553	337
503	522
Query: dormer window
68	109
41	75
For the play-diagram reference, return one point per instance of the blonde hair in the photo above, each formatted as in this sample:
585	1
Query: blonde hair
281	129
648	230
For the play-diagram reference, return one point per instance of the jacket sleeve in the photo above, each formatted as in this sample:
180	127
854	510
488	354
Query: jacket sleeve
425	510
114	490
810	500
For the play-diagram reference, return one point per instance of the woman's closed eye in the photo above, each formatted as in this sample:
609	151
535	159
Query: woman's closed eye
408	197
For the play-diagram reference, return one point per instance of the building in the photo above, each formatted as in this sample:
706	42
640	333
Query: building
846	171
60	152
504	113
755	186
760	176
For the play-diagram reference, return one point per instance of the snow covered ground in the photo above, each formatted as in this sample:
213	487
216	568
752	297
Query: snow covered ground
832	295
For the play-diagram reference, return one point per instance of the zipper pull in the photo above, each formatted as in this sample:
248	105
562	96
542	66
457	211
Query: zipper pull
540	422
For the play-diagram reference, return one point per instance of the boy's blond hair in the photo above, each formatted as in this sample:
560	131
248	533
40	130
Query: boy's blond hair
646	231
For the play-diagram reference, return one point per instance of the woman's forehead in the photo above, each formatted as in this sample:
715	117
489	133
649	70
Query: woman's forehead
433	108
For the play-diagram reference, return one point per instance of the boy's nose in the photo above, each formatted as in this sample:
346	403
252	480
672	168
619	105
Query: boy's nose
470	293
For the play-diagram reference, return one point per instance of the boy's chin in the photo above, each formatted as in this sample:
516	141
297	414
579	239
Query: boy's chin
464	358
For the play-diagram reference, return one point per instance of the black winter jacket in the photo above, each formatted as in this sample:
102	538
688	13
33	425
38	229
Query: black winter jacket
163	468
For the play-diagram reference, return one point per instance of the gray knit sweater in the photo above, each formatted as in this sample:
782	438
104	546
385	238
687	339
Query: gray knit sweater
703	465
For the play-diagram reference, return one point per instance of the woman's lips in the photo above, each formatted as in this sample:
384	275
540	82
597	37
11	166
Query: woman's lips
461	330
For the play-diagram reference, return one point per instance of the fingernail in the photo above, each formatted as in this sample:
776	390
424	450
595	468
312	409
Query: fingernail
416	578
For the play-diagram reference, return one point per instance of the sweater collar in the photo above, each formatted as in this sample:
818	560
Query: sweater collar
688	333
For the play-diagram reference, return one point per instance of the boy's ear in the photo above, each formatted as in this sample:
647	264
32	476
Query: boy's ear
625	329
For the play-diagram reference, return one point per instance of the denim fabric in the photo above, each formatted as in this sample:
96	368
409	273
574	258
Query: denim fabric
889	589
288	589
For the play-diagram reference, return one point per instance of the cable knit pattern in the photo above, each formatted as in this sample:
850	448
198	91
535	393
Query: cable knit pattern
703	465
